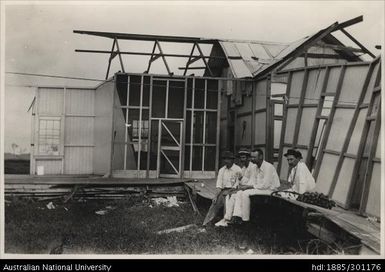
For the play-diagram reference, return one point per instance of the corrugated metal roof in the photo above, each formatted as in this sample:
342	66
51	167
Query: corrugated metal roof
248	58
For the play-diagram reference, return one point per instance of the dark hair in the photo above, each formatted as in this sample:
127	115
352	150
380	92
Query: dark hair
260	151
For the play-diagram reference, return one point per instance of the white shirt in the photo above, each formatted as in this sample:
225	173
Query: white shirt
265	177
247	173
228	177
301	178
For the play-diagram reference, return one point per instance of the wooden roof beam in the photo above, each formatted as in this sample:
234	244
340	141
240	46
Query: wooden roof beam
143	37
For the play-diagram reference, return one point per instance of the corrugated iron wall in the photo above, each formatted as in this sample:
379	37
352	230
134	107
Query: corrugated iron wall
74	109
79	131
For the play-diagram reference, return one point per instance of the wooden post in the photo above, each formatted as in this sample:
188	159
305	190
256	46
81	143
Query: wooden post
253	96
317	120
112	126
112	55
149	130
120	56
218	130
300	108
369	169
183	144
283	128
269	122
204	126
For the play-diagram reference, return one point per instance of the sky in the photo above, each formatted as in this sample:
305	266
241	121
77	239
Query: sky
38	38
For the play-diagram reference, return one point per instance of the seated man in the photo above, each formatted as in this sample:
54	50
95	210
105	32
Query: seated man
264	180
300	176
244	183
246	166
228	180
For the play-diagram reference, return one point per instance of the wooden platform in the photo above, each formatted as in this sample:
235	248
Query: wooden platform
204	188
59	187
88	180
366	231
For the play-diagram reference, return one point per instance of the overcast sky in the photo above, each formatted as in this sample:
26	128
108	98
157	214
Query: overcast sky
39	37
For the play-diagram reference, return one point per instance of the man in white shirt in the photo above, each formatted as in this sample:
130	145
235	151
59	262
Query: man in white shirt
247	168
264	180
227	181
300	177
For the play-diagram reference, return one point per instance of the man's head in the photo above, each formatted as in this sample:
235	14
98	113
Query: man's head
228	159
293	157
257	156
244	156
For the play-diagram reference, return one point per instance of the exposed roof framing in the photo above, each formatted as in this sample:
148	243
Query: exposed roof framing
246	59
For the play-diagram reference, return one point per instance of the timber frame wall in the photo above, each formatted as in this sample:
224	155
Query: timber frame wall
333	118
144	170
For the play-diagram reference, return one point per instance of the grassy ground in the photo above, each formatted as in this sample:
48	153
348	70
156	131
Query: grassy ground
130	228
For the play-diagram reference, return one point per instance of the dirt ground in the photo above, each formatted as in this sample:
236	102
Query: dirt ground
130	226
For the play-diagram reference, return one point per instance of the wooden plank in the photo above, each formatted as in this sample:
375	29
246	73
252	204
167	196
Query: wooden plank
183	149
300	107
283	127
361	147
149	130
318	114
253	97
369	170
218	134
269	123
329	122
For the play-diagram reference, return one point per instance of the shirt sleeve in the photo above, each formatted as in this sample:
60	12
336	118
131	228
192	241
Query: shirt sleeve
306	180
220	179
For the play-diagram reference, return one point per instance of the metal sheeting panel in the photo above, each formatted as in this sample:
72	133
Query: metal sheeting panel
51	167
291	118
296	87
50	101
373	207
352	84
246	59
340	193
243	130
80	101
103	128
260	131
355	137
79	131
314	86
260	97
326	173
246	107
306	125
78	160
339	129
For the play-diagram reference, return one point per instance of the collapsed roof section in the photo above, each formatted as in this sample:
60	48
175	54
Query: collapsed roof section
246	59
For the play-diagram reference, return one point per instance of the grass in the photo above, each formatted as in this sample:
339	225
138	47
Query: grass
131	228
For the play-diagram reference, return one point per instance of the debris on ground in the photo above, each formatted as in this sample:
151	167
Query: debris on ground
183	228
170	201
105	210
50	206
250	251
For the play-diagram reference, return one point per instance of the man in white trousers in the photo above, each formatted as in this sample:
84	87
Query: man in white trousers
228	180
263	181
247	168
